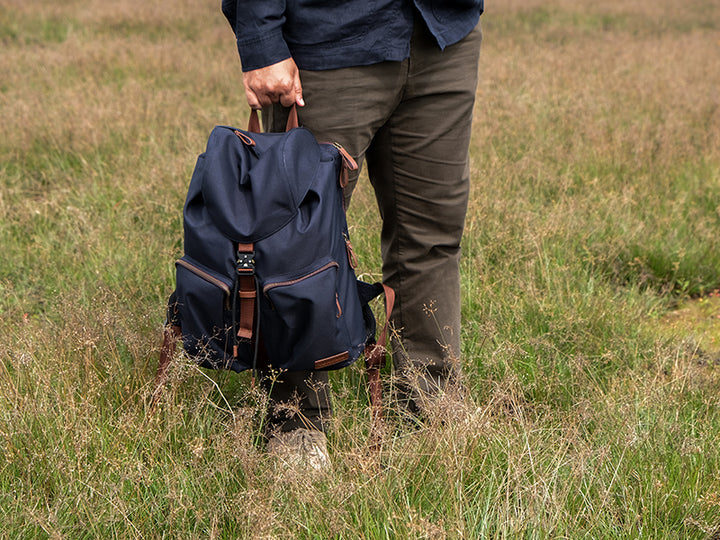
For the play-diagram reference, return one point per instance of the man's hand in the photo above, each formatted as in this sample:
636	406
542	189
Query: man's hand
278	83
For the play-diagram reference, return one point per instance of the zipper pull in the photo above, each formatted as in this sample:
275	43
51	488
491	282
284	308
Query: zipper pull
352	258
244	138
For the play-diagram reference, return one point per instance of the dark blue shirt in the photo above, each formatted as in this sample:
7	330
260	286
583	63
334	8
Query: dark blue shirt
326	34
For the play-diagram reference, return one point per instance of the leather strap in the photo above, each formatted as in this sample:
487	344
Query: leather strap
171	336
374	361
247	292
375	353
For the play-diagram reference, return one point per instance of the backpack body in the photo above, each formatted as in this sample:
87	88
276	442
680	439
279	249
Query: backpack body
267	208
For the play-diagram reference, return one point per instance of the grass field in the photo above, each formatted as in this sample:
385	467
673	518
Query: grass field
591	336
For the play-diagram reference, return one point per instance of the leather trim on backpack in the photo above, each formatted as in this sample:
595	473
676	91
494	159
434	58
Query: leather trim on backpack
331	360
247	291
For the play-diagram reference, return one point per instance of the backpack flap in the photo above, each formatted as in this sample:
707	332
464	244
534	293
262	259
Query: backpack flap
251	193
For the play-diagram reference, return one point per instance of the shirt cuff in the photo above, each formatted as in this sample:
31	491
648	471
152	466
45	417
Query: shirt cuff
262	51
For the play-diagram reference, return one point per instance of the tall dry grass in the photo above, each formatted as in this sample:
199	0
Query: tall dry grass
595	213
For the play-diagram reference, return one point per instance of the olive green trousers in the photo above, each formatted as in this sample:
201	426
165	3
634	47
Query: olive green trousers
410	122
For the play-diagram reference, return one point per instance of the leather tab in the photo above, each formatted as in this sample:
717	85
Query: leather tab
244	138
348	164
331	360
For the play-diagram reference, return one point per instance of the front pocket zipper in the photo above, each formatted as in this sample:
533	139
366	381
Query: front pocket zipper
270	286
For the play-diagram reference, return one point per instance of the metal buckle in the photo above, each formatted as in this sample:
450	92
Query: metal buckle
246	262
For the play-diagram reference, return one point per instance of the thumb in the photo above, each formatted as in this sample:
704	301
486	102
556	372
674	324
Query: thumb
297	87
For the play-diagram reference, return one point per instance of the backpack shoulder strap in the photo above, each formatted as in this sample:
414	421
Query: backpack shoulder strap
374	361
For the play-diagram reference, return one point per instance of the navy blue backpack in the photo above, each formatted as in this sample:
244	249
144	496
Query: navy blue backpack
267	278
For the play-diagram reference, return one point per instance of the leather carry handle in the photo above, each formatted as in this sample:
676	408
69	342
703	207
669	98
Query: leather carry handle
254	122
